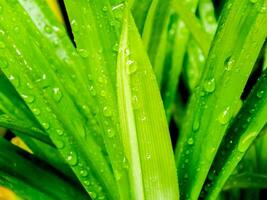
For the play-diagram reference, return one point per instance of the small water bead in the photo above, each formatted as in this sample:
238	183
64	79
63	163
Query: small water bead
36	111
225	116
92	90
190	141
117	175
60	132
48	29
83	53
72	158
260	94
87	183
229	63
14	80
28	98
209	85
92	195
45	125
196	125
110	133
74	25
148	156
132	66
84	173
246	140
59	144
107	111
57	94
105	9
116	47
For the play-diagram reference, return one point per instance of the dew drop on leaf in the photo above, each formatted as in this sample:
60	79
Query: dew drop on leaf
59	144
83	53
196	125
107	112
87	183
28	98
48	29
60	132
14	80
57	94
245	141
110	133
45	125
209	85
2	45
83	172
36	111
260	94
190	141
72	158
225	116
132	66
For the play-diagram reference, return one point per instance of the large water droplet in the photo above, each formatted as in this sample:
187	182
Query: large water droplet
209	85
225	116
246	140
57	94
72	158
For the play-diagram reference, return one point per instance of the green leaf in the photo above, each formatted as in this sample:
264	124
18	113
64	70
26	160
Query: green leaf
22	171
210	109
143	123
241	134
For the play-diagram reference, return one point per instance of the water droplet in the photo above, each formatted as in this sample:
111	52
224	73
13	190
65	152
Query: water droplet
116	47
59	144
83	53
260	94
60	132
28	98
72	158
92	90
186	176
45	125
110	133
107	111
117	175
225	116
57	94
92	195
87	183
14	80
74	25
209	85
190	141
132	66
148	156
196	125
3	63
228	63
83	173
48	29
36	111
246	140
105	9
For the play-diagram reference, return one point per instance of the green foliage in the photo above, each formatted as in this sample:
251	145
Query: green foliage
101	98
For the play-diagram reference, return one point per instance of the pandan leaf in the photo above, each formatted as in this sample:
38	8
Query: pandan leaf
143	123
243	131
20	170
208	116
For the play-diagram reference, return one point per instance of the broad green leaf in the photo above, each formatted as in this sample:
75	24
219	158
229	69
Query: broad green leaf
142	119
208	116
